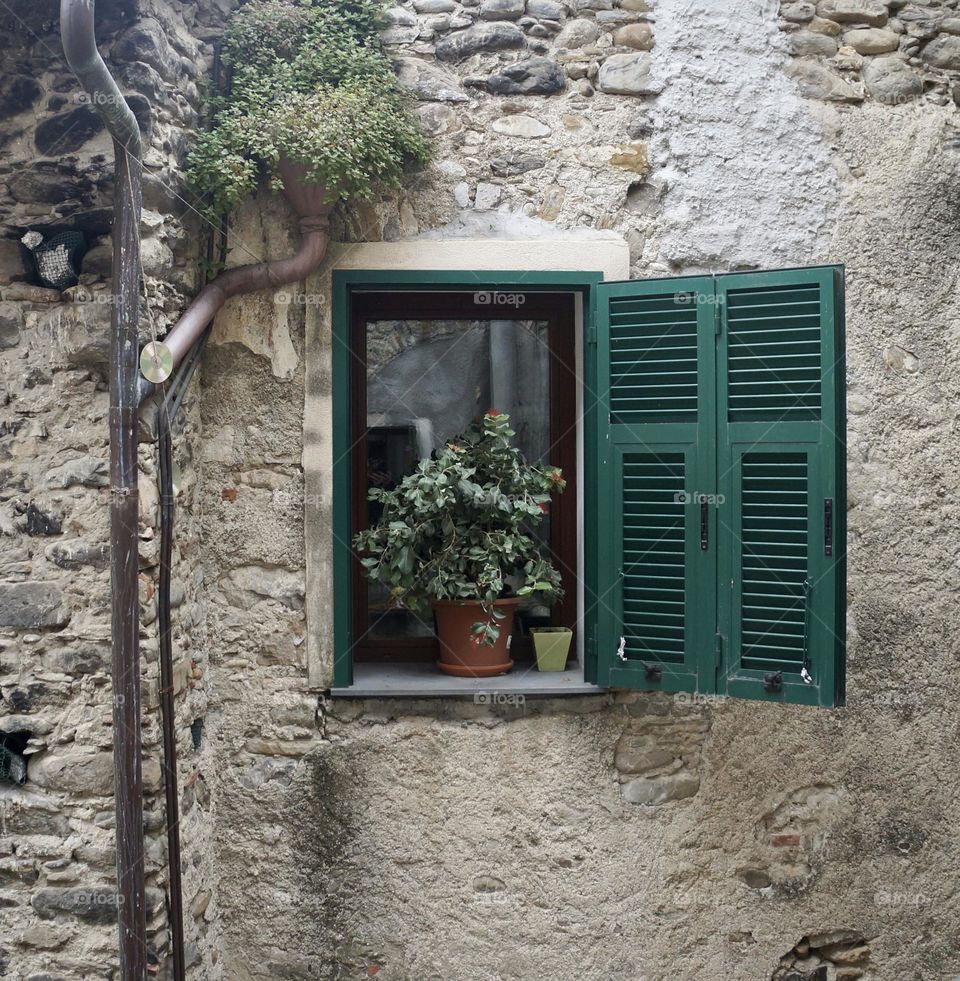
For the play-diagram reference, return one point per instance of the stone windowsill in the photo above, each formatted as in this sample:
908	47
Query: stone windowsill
423	680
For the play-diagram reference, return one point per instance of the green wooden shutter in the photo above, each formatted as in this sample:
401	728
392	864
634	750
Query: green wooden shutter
781	473
715	477
653	598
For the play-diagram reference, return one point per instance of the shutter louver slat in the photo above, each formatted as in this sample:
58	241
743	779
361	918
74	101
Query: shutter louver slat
772	630
654	538
774	363
653	355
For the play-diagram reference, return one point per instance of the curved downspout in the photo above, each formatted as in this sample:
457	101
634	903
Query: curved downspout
80	47
311	208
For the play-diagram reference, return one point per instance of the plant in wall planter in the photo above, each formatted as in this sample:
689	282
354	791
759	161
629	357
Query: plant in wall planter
314	109
311	99
458	534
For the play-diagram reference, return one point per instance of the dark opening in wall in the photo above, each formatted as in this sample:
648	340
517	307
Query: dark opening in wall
840	954
13	763
56	258
196	732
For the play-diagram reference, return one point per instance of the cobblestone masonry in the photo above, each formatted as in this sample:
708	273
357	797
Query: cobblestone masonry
627	836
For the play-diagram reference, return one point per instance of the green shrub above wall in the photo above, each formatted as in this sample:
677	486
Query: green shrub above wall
308	81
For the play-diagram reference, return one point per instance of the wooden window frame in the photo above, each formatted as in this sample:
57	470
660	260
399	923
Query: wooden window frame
558	310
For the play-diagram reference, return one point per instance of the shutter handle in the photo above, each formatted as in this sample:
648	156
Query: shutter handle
621	650
807	664
704	523
828	526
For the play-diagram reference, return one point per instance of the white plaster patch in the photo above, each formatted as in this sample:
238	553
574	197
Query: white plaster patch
748	171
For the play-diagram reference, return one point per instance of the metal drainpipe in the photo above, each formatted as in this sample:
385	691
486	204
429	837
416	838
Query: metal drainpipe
309	203
80	47
167	414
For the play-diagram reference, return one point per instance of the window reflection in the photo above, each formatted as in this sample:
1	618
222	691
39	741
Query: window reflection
427	380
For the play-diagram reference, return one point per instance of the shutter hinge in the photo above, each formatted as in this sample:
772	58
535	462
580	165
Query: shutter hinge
718	650
592	334
717	319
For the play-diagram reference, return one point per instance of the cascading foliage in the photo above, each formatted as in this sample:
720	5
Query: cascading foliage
309	82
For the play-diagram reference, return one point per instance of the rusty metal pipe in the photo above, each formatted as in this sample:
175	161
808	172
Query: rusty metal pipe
80	47
309	203
168	711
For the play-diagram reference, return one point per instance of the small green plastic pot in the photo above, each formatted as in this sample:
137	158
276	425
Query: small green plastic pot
552	645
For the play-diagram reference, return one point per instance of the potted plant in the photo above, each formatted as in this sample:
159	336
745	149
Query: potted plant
457	534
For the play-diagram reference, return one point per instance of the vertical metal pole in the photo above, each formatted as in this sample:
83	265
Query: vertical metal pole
168	709
124	566
80	47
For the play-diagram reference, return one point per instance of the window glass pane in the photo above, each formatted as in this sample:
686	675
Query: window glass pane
427	380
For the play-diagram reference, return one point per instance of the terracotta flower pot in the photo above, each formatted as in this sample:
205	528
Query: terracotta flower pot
460	652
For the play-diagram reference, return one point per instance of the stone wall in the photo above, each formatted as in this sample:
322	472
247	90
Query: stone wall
624	835
57	877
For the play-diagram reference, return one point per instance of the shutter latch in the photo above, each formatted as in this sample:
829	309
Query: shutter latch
773	682
621	650
805	672
653	672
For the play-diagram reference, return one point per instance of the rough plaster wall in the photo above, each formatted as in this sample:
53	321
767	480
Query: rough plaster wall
746	176
636	836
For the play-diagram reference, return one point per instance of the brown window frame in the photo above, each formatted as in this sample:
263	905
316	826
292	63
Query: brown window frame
558	310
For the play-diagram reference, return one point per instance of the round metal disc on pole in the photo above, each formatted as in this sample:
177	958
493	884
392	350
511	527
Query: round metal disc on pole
156	362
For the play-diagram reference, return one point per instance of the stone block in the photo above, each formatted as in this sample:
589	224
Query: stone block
15	263
578	33
67	132
628	74
639	36
428	81
816	81
493	36
85	471
545	9
943	52
501	9
892	81
147	41
95	904
73	769
808	44
77	553
872	40
533	76
32	604
873	13
17	94
11	322
659	790
521	125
